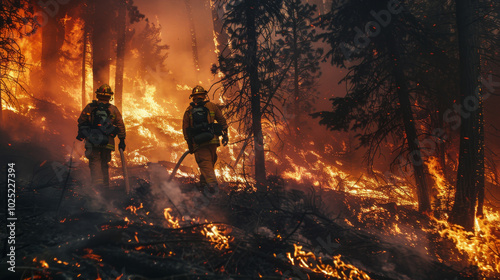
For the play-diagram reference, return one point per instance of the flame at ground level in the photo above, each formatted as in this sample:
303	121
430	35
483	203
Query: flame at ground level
339	269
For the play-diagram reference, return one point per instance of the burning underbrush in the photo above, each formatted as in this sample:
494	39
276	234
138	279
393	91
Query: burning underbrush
321	218
178	231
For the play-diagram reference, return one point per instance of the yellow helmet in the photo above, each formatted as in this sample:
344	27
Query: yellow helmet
198	90
105	90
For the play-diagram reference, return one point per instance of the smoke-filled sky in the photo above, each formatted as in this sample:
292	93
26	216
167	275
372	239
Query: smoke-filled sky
173	17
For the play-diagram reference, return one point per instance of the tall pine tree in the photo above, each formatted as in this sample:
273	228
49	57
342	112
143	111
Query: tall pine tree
296	38
379	42
470	177
246	22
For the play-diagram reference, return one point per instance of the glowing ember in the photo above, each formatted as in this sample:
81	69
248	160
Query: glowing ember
44	264
90	255
134	209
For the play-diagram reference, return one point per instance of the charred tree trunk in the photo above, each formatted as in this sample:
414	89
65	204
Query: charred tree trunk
194	44
52	40
84	63
219	32
296	88
1	108
253	70
480	164
120	53
470	166
415	154
101	42
221	39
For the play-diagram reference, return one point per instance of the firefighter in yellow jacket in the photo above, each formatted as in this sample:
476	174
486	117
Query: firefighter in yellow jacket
99	123
202	133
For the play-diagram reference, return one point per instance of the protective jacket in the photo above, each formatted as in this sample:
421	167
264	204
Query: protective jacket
215	114
115	116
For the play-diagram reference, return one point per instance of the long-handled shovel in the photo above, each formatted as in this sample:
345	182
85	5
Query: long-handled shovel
125	173
177	165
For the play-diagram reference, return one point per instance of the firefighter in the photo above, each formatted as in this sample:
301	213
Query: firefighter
99	123
202	134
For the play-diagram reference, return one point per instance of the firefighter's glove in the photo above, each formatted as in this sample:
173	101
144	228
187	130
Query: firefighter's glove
122	144
80	136
83	132
225	139
114	131
191	148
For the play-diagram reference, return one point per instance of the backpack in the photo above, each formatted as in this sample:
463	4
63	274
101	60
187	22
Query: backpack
201	131
101	124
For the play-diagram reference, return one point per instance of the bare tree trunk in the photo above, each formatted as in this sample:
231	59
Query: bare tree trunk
295	75
1	108
120	54
219	31
52	41
84	64
253	70
101	42
194	44
415	154
221	39
480	164
470	166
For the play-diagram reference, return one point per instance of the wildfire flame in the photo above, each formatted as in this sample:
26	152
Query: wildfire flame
183	87
174	223
481	248
152	117
339	270
134	209
212	233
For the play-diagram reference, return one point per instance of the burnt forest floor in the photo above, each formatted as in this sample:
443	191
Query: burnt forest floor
285	233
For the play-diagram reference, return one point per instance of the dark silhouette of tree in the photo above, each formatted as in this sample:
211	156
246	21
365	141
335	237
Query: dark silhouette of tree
194	43
53	34
295	45
151	52
121	29
102	23
381	44
104	33
470	176
489	48
247	23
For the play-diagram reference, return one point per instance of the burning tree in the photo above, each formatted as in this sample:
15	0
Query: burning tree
470	177
315	221
16	21
380	97
247	23
297	53
270	66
